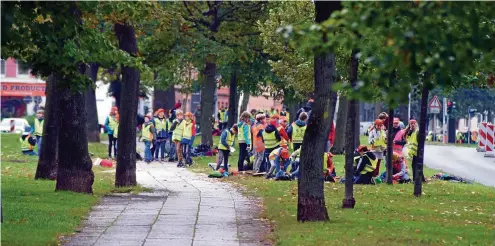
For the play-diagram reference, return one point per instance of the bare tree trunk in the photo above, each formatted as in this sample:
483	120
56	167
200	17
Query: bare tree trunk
207	101
245	102
48	161
418	173
389	145
350	132
340	127
74	169
126	139
311	196
92	125
232	100
357	125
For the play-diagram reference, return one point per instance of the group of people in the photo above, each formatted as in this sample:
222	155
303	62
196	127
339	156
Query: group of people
33	136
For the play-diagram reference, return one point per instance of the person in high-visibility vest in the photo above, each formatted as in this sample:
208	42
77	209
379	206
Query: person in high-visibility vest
110	124
116	132
177	129
297	129
224	146
37	131
378	140
366	165
162	136
258	144
221	119
271	138
27	142
412	146
244	137
147	136
187	137
279	161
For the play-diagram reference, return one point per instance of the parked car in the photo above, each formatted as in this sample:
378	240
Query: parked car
19	125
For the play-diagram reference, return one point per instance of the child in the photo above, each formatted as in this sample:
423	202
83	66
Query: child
378	140
177	129
279	157
226	142
258	144
147	136
186	141
27	142
109	127
400	172
244	139
328	167
37	131
161	126
116	132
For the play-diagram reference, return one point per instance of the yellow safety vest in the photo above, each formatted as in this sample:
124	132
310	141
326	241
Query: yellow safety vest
369	168
276	152
38	127
380	142
241	133
177	134
112	122
116	130
146	133
222	116
270	140
230	141
161	125
25	145
412	144
298	133
187	132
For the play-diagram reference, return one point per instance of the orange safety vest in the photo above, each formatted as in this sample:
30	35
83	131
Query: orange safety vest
258	141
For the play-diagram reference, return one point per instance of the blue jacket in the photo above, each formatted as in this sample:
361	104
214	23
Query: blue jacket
107	127
164	133
245	132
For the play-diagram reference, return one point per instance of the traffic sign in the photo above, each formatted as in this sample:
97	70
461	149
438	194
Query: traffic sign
435	105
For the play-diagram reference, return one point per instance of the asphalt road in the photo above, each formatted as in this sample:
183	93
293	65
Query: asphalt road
461	161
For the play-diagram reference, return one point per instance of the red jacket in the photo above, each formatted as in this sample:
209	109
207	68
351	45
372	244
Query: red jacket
193	128
331	135
283	132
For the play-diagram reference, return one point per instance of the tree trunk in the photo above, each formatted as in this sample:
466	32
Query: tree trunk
418	173
232	100
126	139
245	102
116	88
48	161
389	145
340	126
208	101
74	168
357	125
92	125
350	133
311	196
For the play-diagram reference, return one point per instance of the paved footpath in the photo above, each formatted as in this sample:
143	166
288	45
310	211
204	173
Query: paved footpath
183	209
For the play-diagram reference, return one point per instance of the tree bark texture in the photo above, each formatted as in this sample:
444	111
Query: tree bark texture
208	101
357	125
340	126
126	139
245	102
418	173
350	136
92	125
74	168
311	196
48	160
233	99
116	89
390	142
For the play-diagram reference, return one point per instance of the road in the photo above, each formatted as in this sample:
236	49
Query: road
461	161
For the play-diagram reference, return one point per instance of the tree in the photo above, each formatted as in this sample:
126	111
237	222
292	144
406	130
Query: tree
92	125
340	125
311	197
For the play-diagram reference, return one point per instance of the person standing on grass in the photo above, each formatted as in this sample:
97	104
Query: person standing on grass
226	142
411	136
297	129
110	124
177	129
27	142
258	145
116	132
147	137
244	139
37	131
161	126
187	135
271	138
378	140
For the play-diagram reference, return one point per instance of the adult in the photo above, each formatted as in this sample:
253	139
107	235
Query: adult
399	169
38	128
307	109
366	164
411	136
110	124
297	129
27	142
271	138
222	116
396	127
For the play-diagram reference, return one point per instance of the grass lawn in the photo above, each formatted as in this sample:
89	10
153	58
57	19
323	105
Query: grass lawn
33	214
448	213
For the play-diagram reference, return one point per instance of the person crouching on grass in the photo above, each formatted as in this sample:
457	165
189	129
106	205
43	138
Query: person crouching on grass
187	136
279	158
177	128
226	142
366	166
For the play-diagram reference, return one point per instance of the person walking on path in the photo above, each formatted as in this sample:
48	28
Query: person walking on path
162	137
187	137
177	129
224	147
244	127
37	131
147	137
110	124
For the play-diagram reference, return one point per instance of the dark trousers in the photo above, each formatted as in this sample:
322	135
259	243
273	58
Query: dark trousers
112	142
243	155
364	178
226	154
415	171
297	146
266	163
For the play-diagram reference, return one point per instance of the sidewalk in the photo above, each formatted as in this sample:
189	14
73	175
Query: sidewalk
183	209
